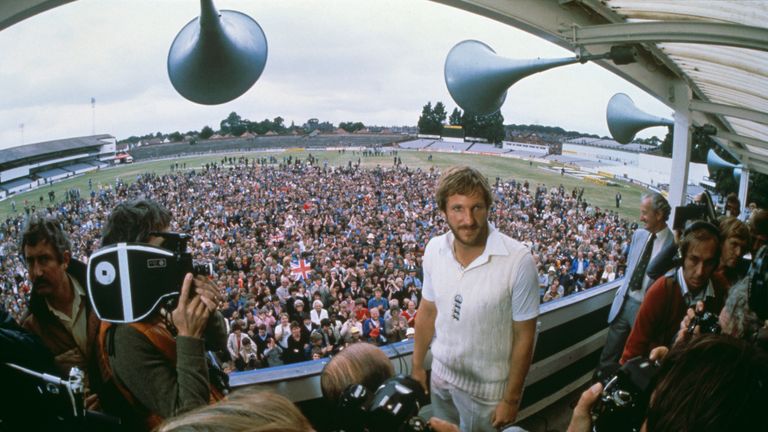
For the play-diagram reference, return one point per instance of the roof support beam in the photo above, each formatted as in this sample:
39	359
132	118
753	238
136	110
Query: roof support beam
742	139
744	188
729	110
761	166
749	160
681	146
671	31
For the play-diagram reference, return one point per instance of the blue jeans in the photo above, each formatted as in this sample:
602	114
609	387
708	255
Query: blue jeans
459	407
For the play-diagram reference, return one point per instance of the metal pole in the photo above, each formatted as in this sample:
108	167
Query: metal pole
681	146
744	189
93	116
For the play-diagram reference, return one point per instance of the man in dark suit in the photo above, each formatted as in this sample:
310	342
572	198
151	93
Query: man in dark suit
646	243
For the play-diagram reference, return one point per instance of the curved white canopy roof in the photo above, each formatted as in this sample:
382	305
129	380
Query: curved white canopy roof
718	48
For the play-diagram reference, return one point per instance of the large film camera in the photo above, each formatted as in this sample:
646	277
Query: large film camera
625	397
128	281
685	217
393	407
704	209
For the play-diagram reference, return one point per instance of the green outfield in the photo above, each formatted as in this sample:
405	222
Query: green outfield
493	166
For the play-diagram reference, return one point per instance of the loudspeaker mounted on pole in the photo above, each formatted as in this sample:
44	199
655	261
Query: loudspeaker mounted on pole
478	79
625	119
217	57
715	163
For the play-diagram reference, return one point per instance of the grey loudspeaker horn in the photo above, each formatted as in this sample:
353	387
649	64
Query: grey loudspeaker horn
478	79
716	163
217	57
625	119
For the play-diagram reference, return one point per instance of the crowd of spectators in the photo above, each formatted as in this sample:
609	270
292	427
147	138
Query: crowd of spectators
313	257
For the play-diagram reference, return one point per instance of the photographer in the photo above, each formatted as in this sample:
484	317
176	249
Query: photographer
20	347
360	363
668	299
159	364
713	383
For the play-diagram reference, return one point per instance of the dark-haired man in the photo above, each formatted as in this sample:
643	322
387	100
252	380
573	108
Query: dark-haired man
60	313
668	299
159	364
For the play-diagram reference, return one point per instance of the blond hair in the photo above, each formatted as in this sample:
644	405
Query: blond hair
732	227
250	409
462	180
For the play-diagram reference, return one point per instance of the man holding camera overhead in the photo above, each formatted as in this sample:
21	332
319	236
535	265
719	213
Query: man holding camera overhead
159	364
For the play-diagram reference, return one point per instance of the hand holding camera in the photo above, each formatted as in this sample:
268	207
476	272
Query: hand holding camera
191	315
622	403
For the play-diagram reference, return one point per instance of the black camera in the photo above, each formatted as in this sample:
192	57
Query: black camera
177	243
699	210
707	321
128	281
393	407
625	397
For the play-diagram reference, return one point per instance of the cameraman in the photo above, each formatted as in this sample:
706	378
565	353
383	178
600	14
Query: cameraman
713	383
668	299
159	364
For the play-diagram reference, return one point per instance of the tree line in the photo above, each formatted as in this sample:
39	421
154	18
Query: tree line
236	125
490	127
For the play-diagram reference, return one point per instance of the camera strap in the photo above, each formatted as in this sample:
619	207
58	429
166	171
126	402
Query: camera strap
156	332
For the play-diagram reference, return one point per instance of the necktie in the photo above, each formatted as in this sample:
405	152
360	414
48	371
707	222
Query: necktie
636	282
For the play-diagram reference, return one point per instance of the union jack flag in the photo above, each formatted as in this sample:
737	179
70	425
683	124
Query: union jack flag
300	269
277	237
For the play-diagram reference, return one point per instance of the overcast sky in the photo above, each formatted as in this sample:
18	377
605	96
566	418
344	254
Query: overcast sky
377	62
